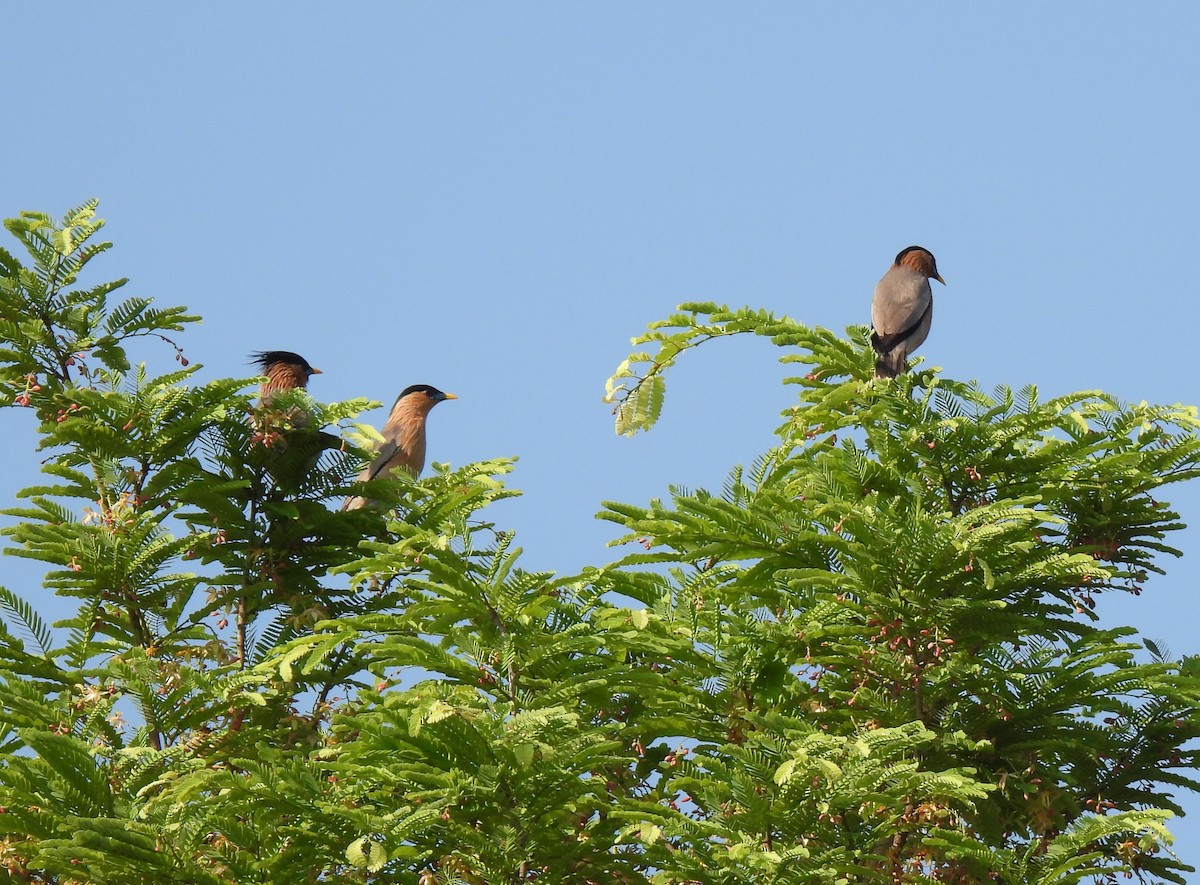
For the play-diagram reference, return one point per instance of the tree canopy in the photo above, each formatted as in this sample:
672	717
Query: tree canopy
872	656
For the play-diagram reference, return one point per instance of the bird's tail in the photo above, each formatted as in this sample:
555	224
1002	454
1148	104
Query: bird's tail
891	364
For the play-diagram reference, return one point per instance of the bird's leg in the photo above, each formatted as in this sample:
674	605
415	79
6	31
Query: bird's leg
240	610
241	632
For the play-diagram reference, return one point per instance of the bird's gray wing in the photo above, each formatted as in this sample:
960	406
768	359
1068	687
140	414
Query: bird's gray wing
885	343
902	299
387	452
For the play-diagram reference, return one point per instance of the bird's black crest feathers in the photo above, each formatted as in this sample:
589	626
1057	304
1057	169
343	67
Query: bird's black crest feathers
266	358
428	389
263	359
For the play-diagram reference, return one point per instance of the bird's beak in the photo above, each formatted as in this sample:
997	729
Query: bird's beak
317	372
939	279
449	396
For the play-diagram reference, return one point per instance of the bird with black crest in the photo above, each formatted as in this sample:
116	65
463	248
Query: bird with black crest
285	433
403	433
284	370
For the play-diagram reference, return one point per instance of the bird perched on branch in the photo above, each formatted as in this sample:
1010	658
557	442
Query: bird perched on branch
284	370
902	310
403	437
285	442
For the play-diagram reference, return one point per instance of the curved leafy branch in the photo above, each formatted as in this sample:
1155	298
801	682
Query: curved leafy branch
638	386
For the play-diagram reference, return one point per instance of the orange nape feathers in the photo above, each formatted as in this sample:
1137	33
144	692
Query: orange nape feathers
902	310
921	260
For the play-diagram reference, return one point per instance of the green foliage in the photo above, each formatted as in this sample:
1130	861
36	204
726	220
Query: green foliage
916	551
872	657
46	328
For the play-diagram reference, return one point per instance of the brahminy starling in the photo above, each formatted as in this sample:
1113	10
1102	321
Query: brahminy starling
403	435
902	310
284	370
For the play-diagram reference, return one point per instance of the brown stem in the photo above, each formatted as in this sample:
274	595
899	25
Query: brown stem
330	683
141	637
503	631
64	371
898	843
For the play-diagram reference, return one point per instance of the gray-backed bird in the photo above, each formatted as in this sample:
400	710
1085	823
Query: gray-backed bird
284	370
902	310
403	437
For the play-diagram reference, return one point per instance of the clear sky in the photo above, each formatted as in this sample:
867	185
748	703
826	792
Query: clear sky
492	198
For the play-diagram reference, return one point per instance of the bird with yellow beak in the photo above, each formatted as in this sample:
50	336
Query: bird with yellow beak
902	310
403	435
284	370
286	433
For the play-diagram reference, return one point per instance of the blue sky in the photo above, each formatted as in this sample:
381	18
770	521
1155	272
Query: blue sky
493	198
